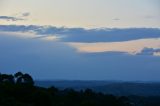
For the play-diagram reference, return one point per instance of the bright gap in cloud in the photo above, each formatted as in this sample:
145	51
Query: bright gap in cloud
156	54
31	35
132	47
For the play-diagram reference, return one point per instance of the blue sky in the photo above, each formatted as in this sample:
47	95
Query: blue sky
81	39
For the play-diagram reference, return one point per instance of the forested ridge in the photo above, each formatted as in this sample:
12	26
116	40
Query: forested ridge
19	90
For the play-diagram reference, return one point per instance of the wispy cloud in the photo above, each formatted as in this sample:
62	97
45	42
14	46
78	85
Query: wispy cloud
19	17
10	18
26	14
116	19
151	17
31	35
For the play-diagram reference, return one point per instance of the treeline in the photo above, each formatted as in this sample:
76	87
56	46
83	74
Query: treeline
19	90
17	78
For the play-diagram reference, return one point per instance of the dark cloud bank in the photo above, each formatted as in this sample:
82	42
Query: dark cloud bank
91	35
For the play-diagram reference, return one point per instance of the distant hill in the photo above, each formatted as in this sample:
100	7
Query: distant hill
109	87
19	89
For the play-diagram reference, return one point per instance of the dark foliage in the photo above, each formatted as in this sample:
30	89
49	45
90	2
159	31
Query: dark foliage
19	90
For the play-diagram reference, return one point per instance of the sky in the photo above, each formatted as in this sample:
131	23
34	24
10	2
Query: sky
81	39
84	13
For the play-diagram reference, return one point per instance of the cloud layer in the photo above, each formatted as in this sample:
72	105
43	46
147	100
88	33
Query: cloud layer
131	40
56	60
88	35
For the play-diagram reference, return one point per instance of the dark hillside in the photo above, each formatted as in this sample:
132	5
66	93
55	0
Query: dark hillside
19	90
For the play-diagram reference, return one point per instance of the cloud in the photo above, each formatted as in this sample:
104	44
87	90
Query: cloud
150	51
131	40
48	38
10	18
88	35
111	35
26	14
21	17
31	35
49	60
116	19
19	34
151	17
20	28
131	47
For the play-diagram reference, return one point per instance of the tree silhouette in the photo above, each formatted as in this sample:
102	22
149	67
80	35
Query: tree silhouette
1	78
23	78
19	77
28	79
7	78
